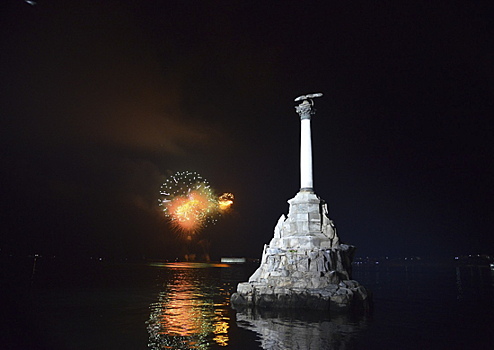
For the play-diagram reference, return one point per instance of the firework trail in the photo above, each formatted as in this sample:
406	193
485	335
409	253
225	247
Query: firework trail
189	202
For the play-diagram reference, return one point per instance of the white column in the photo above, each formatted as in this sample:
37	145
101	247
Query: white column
306	183
305	110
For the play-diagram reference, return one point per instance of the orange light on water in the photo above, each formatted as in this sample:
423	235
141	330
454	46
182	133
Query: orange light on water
185	316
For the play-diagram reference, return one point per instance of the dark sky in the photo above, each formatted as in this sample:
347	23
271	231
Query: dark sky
100	100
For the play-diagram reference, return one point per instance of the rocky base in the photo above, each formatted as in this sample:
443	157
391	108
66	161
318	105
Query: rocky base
305	265
303	278
342	297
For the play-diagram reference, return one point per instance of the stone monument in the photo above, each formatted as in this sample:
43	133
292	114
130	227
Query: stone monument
305	265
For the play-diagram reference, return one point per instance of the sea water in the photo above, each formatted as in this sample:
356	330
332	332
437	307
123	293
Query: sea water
160	305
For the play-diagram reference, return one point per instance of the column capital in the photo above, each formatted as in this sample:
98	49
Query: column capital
305	110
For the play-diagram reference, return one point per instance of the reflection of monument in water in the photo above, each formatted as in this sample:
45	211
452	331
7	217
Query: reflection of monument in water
305	265
186	315
302	329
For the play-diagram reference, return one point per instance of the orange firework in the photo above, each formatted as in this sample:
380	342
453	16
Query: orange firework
190	203
225	201
189	213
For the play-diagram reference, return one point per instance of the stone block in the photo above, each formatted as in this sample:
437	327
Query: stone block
274	274
297	274
325	244
314	226
281	291
341	299
284	282
294	242
344	291
303	264
238	299
350	284
272	262
300	217
302	227
301	283
331	288
244	288
272	251
292	229
317	282
313	215
266	290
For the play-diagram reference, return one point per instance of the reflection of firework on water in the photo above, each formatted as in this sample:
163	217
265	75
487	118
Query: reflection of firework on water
189	313
190	203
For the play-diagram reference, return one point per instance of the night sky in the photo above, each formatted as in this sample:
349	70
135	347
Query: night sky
100	101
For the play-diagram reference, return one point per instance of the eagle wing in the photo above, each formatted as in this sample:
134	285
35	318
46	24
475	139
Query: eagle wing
306	97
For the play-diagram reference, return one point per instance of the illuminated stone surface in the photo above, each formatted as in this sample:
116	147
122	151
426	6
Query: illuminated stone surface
305	265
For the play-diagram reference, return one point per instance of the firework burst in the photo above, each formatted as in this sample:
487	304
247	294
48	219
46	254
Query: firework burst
189	202
225	202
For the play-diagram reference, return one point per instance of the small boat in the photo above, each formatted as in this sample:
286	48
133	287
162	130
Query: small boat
233	260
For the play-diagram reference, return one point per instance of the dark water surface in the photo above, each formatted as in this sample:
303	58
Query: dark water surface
186	306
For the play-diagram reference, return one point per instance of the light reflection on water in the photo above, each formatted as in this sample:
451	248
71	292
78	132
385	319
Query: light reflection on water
191	310
415	308
302	329
120	306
